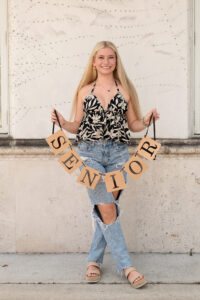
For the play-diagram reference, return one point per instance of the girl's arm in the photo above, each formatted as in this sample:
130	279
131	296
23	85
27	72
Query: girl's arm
136	125
71	127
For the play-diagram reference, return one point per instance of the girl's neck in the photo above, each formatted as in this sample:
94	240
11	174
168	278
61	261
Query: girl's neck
105	80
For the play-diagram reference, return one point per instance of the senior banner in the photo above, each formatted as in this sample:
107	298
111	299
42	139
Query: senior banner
89	177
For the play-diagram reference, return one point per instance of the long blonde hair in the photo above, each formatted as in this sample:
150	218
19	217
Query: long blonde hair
119	73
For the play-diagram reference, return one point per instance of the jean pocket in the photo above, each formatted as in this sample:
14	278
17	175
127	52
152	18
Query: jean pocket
86	146
120	146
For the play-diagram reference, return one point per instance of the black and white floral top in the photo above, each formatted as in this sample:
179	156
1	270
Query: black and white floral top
109	124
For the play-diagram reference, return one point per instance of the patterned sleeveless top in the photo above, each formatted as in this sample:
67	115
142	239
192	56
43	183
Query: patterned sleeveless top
100	124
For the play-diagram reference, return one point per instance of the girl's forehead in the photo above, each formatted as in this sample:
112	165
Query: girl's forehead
105	51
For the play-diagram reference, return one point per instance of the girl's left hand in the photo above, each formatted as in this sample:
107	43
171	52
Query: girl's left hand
155	115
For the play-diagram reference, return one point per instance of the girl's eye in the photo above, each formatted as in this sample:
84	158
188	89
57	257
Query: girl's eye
110	57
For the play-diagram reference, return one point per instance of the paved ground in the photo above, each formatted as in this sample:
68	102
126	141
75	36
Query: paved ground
98	292
61	276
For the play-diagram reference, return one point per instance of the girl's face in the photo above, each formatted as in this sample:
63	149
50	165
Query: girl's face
105	60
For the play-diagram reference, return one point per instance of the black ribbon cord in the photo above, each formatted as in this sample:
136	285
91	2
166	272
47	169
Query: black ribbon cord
54	122
154	129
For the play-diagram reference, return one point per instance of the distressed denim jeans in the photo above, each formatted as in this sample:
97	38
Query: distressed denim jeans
106	156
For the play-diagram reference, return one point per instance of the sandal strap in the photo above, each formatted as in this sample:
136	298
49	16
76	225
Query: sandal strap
128	270
93	272
95	264
132	277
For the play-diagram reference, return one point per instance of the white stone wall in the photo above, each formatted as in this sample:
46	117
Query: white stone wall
50	42
44	209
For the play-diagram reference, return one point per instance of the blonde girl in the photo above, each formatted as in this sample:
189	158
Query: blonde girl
106	109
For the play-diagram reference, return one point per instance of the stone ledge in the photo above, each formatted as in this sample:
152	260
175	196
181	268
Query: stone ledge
133	142
30	147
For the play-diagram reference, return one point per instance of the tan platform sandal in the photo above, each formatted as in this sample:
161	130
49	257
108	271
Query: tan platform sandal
95	278
136	284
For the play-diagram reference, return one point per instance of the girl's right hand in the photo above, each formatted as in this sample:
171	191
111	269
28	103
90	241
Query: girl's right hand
54	119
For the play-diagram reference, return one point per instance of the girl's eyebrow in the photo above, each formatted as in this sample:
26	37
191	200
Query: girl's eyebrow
111	55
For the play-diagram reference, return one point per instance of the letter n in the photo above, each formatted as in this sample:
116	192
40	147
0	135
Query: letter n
89	177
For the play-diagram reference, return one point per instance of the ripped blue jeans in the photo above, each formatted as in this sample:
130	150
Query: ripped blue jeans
106	156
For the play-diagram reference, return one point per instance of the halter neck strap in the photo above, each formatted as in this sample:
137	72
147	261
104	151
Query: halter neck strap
95	85
117	86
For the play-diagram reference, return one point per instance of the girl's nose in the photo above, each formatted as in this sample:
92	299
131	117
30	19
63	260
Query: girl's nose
106	60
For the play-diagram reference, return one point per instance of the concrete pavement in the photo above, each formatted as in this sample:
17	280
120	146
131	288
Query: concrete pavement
98	291
62	276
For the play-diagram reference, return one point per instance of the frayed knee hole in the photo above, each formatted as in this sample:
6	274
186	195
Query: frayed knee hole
105	218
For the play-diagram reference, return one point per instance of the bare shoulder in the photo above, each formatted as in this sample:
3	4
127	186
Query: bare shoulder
85	90
123	91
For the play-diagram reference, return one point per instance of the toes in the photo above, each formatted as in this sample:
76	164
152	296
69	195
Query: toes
92	268
138	278
92	274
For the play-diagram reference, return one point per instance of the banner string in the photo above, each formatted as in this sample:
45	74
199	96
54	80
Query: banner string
154	129
54	122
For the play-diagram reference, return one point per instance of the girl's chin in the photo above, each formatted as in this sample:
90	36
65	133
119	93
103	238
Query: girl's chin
110	71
